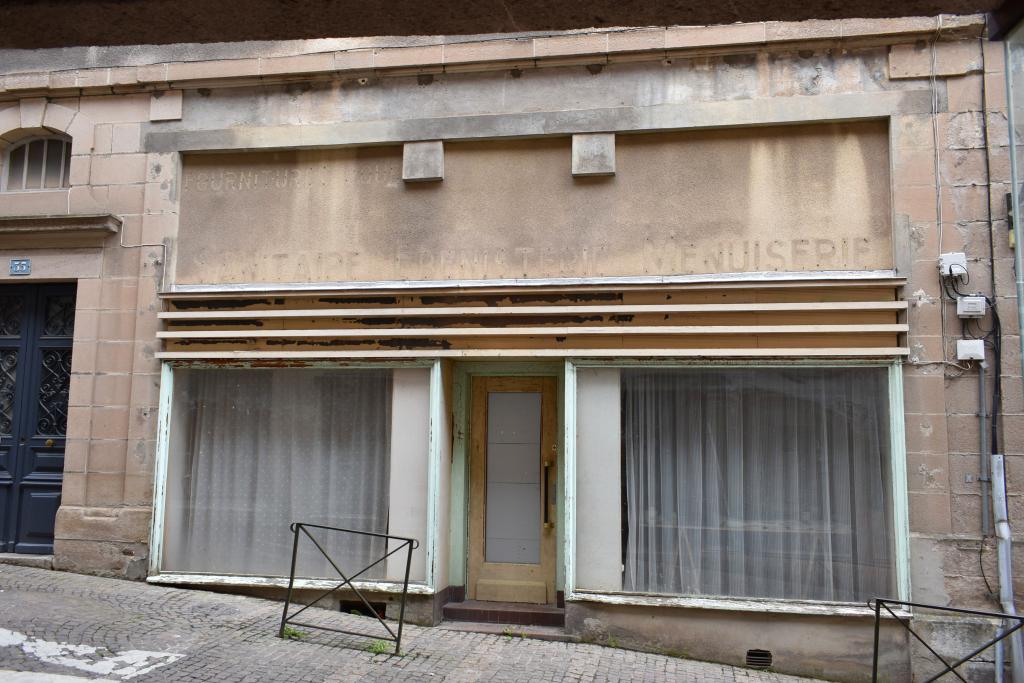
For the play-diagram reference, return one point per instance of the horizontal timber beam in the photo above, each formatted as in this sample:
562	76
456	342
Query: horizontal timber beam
849	352
383	312
559	330
743	280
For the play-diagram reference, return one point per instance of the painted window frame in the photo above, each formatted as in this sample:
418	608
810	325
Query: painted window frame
156	540
897	465
65	171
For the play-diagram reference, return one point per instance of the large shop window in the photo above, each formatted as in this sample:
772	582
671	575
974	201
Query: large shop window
756	482
252	450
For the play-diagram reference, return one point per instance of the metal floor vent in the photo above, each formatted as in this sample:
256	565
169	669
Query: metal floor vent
358	608
759	659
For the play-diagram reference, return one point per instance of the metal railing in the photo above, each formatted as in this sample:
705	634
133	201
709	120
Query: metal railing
409	544
880	603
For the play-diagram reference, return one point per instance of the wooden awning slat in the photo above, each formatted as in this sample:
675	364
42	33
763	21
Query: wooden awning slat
558	331
385	312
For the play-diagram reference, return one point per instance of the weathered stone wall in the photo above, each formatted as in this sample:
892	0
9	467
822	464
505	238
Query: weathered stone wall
789	198
968	196
103	524
832	648
949	172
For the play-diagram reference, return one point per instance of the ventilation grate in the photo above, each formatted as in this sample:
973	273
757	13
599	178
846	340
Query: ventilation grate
759	659
358	608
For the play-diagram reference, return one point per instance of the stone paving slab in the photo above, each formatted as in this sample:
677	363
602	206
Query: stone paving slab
97	628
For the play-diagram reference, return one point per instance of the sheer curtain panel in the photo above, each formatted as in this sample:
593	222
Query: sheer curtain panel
252	451
757	482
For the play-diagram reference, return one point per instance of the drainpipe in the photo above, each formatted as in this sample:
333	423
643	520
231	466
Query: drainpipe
1004	549
986	477
986	487
1000	515
1000	658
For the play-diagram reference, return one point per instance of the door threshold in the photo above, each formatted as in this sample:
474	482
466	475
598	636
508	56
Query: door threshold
25	560
508	613
550	633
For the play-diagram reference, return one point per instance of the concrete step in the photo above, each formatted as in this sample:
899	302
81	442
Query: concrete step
512	613
37	561
553	633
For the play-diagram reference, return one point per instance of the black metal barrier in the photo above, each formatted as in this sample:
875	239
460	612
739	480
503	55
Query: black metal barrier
880	603
409	543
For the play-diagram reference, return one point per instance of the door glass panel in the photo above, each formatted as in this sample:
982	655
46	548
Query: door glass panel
8	368
59	316
10	315
513	477
54	386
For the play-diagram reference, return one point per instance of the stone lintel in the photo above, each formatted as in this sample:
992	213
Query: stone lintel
655	118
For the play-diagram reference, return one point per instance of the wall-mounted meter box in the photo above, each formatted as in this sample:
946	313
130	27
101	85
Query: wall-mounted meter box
970	349
952	264
970	306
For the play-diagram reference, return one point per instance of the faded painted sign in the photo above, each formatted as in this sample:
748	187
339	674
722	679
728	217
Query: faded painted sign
759	199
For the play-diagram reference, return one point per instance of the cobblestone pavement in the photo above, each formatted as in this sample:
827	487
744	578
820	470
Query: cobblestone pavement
114	630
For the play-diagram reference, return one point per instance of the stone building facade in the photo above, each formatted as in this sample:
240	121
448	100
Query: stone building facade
387	241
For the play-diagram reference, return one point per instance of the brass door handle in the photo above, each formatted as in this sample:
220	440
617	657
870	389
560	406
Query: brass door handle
544	495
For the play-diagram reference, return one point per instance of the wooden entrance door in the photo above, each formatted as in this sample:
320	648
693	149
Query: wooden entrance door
36	327
513	471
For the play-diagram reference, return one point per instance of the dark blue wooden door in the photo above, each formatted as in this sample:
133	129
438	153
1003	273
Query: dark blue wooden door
36	327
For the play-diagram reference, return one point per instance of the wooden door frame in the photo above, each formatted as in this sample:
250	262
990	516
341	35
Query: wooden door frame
479	386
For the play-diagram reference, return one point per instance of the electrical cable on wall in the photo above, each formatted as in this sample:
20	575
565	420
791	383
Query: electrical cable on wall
954	279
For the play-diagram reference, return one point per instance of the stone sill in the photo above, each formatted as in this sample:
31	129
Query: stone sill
795	607
42	231
189	579
589	47
20	560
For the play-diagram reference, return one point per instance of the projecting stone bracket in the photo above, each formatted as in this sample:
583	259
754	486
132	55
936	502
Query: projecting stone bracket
423	161
593	154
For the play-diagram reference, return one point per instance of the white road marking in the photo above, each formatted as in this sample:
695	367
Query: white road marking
8	676
126	665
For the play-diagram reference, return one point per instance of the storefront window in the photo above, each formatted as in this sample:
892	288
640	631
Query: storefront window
253	450
752	482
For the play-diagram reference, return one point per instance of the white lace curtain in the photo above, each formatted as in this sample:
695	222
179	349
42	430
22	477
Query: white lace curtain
254	450
770	483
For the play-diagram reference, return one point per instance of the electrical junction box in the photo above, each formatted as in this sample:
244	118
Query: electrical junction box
970	349
970	306
952	264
